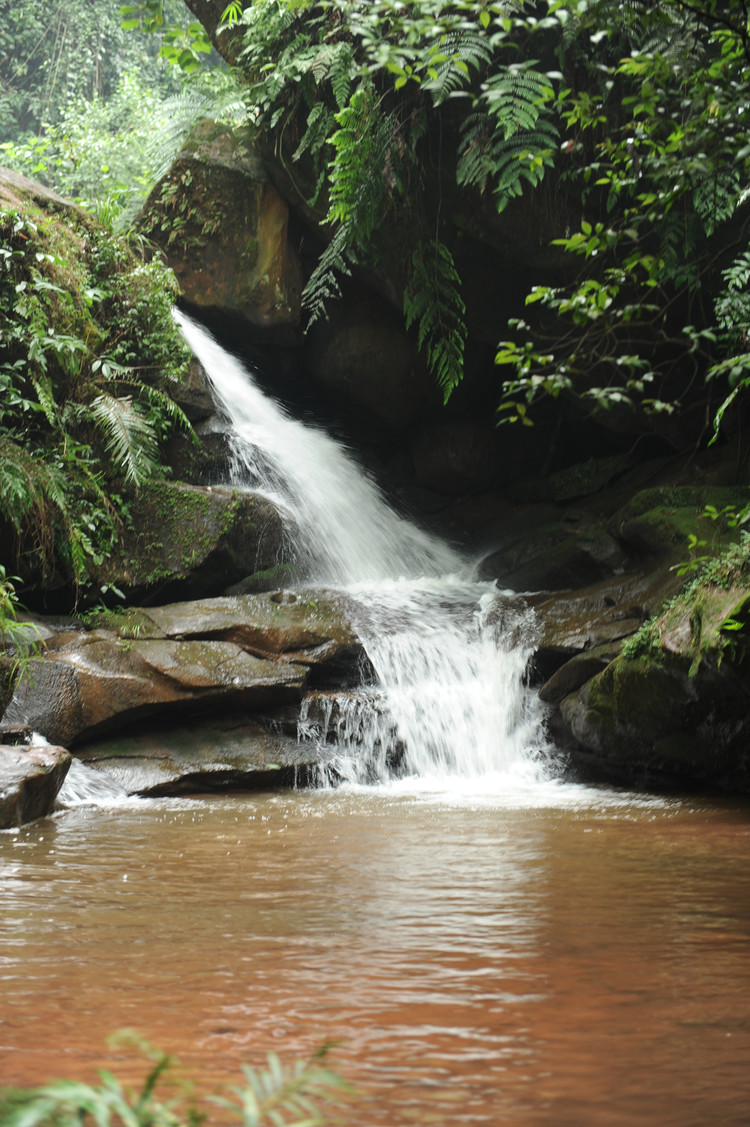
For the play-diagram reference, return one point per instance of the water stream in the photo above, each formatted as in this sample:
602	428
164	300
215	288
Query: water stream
449	652
483	944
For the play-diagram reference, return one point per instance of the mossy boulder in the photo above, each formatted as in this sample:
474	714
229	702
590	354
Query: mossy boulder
186	541
669	521
674	706
223	228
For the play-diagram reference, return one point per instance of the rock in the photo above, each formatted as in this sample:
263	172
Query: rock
571	622
223	228
226	751
308	627
562	555
674	707
576	672
30	778
187	541
248	652
454	456
101	683
661	521
363	357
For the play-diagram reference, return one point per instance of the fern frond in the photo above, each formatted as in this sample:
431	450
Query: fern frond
433	302
515	97
320	122
452	59
323	286
128	434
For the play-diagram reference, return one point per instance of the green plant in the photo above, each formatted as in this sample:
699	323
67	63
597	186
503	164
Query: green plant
363	97
658	154
88	350
280	1095
22	638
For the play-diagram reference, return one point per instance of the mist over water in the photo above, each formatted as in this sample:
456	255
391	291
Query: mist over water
449	652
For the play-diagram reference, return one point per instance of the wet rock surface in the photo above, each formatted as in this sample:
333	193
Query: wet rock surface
214	753
158	664
30	779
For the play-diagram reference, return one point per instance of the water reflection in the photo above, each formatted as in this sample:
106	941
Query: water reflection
579	962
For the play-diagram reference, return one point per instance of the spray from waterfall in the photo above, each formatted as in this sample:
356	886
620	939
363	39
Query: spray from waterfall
449	652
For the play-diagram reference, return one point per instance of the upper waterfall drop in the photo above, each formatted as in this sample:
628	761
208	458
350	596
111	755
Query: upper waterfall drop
449	652
347	531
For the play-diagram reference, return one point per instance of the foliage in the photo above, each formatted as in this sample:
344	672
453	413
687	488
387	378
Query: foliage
54	53
278	1094
723	570
658	149
87	352
364	94
107	154
20	637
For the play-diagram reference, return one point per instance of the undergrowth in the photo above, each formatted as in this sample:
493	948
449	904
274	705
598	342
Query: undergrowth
279	1095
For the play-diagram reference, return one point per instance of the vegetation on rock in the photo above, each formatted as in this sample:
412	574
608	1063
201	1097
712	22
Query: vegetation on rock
89	351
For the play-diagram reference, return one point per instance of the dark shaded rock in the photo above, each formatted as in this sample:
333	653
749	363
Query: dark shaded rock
283	575
455	456
364	358
577	671
187	541
573	483
223	228
30	778
557	556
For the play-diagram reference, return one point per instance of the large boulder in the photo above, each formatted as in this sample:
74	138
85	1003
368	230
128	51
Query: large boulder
186	541
223	228
30	779
364	359
674	706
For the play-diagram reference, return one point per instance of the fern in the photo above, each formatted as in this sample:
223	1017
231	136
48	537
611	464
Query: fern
451	61
511	138
433	302
129	436
320	122
323	285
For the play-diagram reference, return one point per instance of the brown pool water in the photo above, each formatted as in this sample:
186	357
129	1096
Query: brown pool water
561	957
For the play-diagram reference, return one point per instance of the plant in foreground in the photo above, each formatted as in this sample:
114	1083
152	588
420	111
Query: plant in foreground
283	1095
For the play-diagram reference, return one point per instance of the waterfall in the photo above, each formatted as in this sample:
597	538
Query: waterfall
449	652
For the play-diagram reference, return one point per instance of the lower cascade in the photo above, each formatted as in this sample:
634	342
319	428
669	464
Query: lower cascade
449	653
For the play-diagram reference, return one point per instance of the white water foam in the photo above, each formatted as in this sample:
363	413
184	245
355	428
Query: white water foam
84	786
449	653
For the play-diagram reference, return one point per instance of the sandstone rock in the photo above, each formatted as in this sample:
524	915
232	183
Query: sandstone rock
241	652
100	683
30	778
224	230
571	622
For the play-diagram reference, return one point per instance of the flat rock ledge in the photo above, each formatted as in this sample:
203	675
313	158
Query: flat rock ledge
190	696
